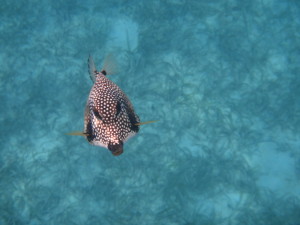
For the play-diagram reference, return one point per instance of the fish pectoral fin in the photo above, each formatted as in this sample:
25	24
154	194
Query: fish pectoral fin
147	122
77	133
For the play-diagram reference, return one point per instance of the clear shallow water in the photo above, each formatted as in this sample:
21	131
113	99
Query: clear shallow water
221	76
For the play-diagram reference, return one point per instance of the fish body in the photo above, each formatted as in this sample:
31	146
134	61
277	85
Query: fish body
109	118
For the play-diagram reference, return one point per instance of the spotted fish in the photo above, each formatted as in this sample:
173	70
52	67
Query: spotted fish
109	118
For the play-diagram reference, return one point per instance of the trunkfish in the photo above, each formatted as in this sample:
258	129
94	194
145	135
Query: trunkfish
109	118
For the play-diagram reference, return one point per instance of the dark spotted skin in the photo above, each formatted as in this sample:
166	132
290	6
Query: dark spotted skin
109	115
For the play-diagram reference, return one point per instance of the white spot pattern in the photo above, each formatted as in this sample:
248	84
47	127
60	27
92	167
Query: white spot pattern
109	115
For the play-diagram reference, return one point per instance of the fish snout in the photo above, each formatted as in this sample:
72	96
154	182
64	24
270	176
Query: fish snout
116	149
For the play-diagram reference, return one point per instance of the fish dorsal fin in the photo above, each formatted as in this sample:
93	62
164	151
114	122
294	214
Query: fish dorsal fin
110	65
77	133
92	69
147	122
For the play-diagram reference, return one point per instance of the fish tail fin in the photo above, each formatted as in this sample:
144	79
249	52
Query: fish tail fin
147	122
92	68
110	65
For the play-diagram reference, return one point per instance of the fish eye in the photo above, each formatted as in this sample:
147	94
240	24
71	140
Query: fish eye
97	114
118	108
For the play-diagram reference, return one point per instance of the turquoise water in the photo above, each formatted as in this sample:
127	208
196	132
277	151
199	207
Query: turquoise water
222	78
